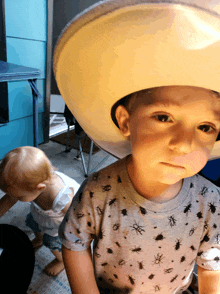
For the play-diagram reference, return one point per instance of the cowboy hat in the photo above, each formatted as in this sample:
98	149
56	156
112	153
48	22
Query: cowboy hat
117	47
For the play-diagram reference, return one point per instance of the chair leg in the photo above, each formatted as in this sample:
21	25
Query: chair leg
82	156
90	155
68	137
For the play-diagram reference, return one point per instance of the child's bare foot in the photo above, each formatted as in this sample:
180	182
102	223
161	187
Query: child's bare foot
54	268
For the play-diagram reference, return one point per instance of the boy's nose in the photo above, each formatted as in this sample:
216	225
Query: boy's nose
182	141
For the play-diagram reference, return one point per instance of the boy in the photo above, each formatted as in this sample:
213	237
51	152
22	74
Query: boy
151	216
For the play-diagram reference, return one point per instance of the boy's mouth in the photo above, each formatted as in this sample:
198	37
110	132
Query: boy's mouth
173	165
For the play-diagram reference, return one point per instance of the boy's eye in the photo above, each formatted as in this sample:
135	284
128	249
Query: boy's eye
206	128
163	118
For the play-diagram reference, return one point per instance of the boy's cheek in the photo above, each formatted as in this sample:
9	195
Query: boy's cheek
196	160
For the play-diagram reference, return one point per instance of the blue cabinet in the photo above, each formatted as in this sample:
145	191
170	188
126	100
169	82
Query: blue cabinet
28	30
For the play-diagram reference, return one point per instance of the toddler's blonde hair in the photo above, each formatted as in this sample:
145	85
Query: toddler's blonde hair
25	168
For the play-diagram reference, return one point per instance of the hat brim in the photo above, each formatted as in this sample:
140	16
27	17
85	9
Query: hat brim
120	47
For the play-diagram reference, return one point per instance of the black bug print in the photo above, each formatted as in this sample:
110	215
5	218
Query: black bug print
80	197
214	226
109	250
97	254
200	253
117	244
204	191
172	221
121	262
199	215
78	231
111	202
136	249
158	259
91	194
99	210
191	185
178	244
168	271
111	281
206	225
151	277
159	237
157	288
182	259
78	241
192	231
137	228
217	259
193	248
80	215
143	210
95	176
116	227
124	212
89	224
173	279
106	188
104	264
119	179
140	264
217	239
115	276
212	207
101	234
187	209
206	238
131	280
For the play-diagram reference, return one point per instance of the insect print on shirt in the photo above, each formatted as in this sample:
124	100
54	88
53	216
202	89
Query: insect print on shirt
206	238
204	191
143	210
199	215
159	237
187	208
99	210
212	207
178	244
136	249
124	211
119	180
217	259
95	176
157	288
158	259
137	228
217	239
106	188
173	279
140	264
192	231
172	221
132	280
168	271
111	202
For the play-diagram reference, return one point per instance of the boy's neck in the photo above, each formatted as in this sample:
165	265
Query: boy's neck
153	191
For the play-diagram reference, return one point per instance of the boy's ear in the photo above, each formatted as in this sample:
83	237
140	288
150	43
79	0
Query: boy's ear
41	186
122	117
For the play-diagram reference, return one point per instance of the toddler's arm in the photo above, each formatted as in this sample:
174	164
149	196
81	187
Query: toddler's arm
6	203
80	272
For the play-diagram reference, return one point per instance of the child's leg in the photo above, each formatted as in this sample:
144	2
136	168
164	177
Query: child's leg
56	266
54	244
38	240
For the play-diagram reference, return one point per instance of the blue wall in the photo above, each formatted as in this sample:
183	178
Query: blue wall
26	37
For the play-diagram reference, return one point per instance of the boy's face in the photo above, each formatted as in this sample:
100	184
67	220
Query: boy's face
173	135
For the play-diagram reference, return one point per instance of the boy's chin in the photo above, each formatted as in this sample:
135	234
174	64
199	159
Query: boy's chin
171	179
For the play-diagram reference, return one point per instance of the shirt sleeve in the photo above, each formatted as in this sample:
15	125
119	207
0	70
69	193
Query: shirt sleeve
208	256
77	229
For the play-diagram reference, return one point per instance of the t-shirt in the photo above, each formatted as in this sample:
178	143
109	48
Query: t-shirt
142	246
49	220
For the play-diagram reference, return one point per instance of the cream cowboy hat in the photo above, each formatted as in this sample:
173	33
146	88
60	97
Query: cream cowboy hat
117	47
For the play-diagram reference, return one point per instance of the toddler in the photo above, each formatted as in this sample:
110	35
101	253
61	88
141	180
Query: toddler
27	175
